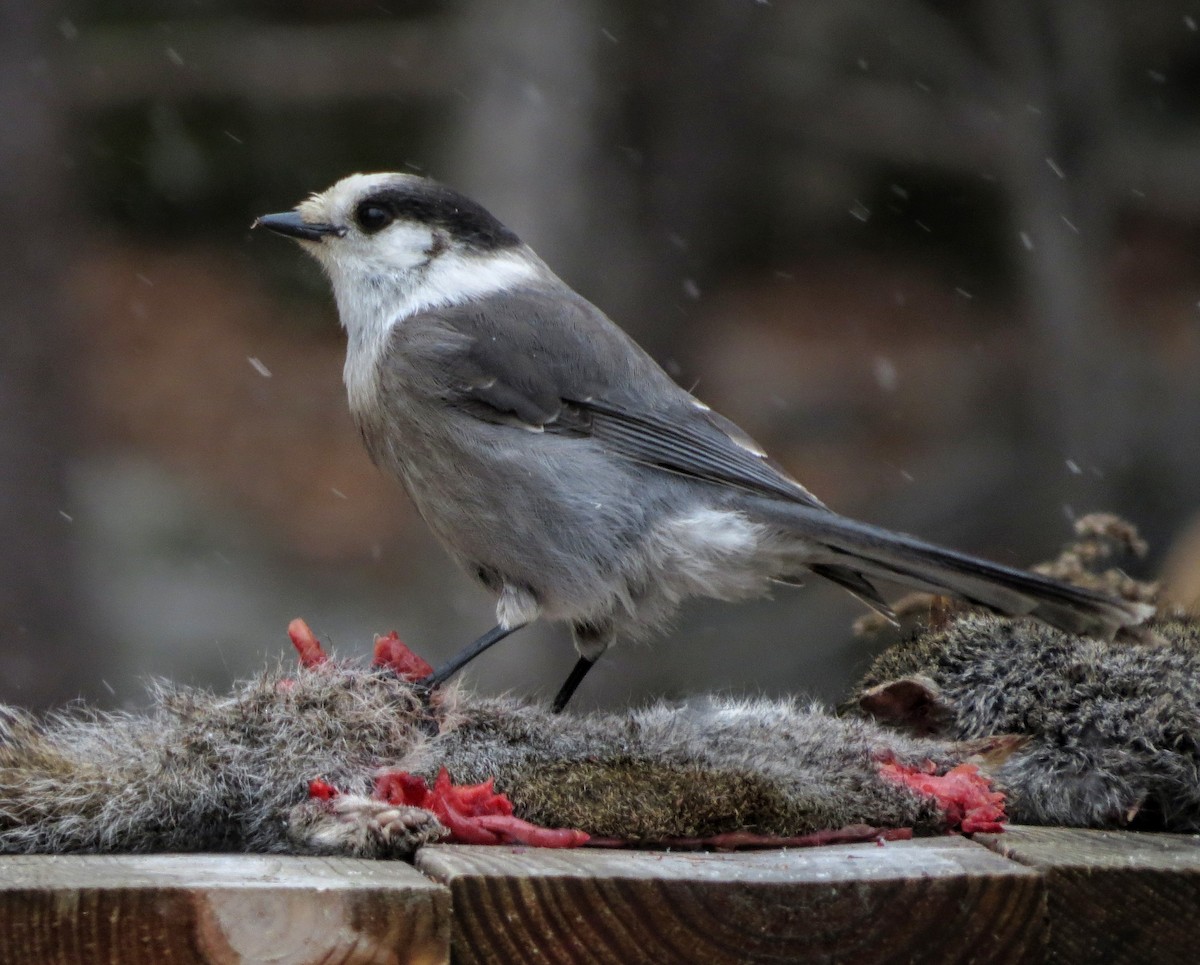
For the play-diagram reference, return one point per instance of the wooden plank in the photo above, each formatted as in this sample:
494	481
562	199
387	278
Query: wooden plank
170	909
933	900
1113	896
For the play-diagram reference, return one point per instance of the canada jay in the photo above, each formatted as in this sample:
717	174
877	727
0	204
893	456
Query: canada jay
560	465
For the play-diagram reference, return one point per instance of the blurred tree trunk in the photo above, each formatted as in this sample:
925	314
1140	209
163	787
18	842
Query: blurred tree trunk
529	141
42	657
701	151
1060	65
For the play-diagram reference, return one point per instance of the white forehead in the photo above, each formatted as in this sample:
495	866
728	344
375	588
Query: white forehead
333	205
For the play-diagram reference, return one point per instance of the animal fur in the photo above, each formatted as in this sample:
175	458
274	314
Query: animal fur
1112	730
206	772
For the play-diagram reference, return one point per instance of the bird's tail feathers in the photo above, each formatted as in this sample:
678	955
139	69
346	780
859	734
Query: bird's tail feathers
852	553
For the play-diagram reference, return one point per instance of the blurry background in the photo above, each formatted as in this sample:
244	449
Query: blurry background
940	258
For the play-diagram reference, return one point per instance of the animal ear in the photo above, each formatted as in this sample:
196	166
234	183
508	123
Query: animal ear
912	703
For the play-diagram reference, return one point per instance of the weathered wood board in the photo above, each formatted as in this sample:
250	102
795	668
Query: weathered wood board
933	900
1113	896
183	909
1030	895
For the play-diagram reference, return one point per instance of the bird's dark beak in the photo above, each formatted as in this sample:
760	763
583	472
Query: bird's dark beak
291	224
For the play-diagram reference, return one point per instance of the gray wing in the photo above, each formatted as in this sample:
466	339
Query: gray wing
548	361
693	441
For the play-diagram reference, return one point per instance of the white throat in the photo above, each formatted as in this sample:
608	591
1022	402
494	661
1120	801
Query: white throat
372	302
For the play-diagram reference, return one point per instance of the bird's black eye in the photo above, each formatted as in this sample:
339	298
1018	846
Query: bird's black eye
372	217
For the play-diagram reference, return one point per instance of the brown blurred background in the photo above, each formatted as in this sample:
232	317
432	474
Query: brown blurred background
941	258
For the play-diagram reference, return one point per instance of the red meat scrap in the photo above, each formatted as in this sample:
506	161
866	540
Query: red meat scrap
473	813
307	645
391	653
963	793
319	790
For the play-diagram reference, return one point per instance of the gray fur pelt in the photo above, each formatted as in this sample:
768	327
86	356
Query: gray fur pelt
1111	730
200	771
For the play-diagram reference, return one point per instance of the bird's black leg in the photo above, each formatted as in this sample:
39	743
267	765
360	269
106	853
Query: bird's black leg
467	654
571	684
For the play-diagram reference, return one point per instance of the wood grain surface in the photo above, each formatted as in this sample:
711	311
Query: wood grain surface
169	909
1114	896
1029	895
933	900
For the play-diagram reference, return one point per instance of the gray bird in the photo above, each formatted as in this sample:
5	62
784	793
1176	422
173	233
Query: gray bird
560	465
